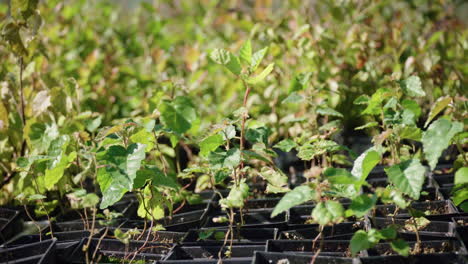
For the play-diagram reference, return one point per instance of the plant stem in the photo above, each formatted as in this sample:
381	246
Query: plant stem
34	222
91	234
417	247
321	244
244	119
23	115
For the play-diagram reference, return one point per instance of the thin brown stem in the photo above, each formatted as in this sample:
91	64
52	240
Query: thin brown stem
33	221
23	114
91	234
244	119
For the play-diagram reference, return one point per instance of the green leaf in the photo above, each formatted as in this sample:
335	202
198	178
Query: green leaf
53	175
412	86
362	204
178	114
277	181
220	176
374	104
25	8
412	106
260	134
286	145
293	98
408	132
388	233
90	200
401	247
297	196
460	194
144	137
408	177
329	212
299	82
438	106
367	125
11	35
327	111
245	53
41	102
257	58
261	76
437	138
364	164
41	136
362	100
116	190
461	176
236	196
158	178
227	59
210	143
203	183
35	197
119	174
309	151
339	176
222	159
152	204
359	242
229	132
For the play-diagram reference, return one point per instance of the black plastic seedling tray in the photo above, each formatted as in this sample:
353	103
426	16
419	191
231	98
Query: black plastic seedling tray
211	251
439	246
434	228
338	248
443	258
241	235
60	236
113	248
258	219
10	224
34	253
329	231
438	210
152	236
177	223
275	257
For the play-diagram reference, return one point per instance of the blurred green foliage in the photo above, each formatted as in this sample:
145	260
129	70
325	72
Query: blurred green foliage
90	65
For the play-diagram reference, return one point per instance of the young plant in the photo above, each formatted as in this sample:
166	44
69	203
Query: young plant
226	153
398	122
